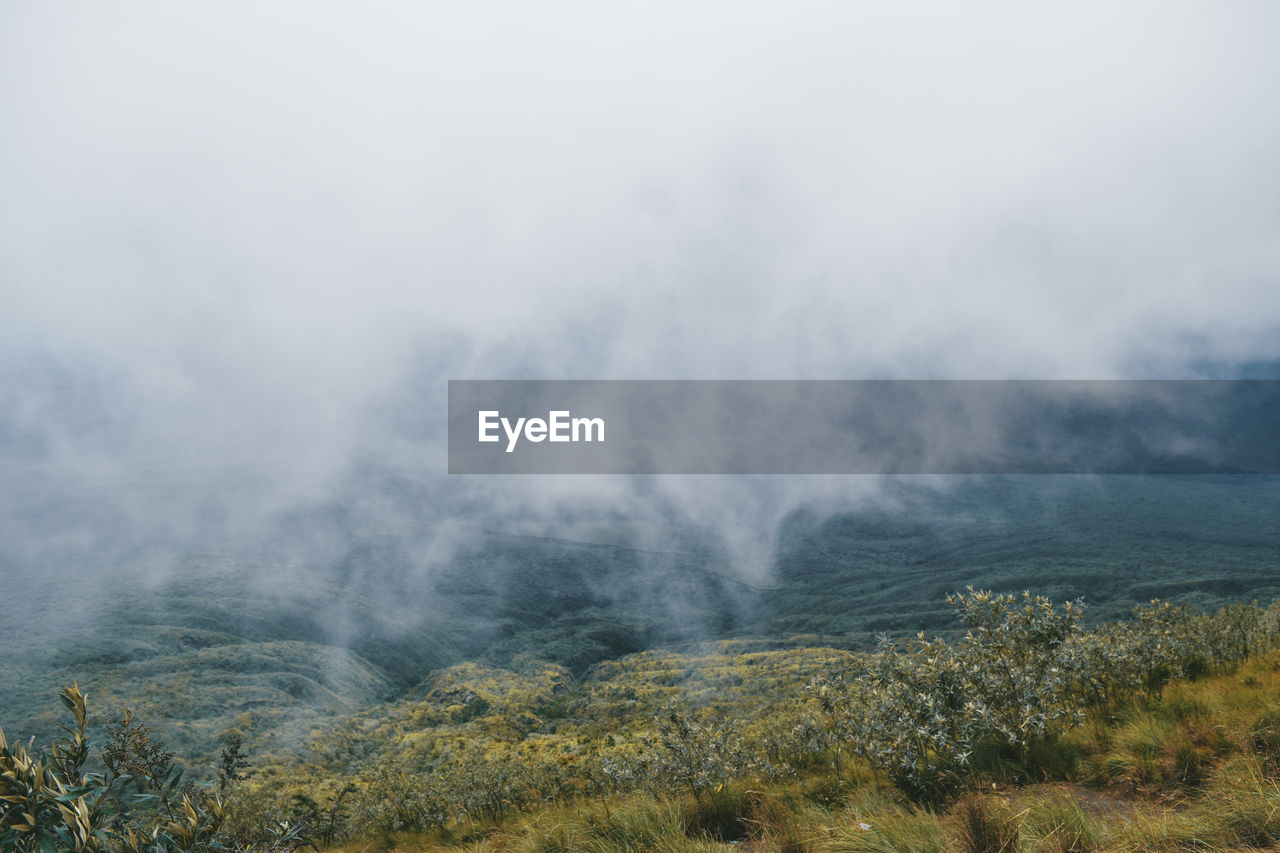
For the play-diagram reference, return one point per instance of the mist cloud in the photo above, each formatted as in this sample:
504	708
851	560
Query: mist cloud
242	248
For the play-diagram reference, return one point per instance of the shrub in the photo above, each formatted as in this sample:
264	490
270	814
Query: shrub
920	712
696	753
49	802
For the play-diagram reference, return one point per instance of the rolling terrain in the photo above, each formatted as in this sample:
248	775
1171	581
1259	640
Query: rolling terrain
269	647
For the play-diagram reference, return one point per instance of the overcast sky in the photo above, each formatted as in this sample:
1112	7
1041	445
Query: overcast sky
257	234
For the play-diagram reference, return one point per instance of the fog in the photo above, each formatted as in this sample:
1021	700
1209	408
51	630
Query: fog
242	247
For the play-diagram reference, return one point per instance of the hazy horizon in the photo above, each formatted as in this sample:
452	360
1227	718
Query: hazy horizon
241	254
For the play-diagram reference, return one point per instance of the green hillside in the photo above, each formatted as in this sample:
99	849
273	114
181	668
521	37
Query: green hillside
271	647
1027	733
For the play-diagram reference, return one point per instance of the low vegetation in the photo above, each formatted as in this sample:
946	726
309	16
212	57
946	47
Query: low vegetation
1025	731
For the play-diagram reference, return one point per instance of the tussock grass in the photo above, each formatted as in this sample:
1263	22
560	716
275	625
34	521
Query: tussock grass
908	830
986	824
1057	823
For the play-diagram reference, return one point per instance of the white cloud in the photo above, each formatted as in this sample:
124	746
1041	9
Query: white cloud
270	225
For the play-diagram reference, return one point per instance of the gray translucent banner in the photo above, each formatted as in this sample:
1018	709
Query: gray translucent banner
864	427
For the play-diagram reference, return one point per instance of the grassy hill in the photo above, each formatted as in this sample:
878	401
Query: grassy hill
1028	734
273	648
